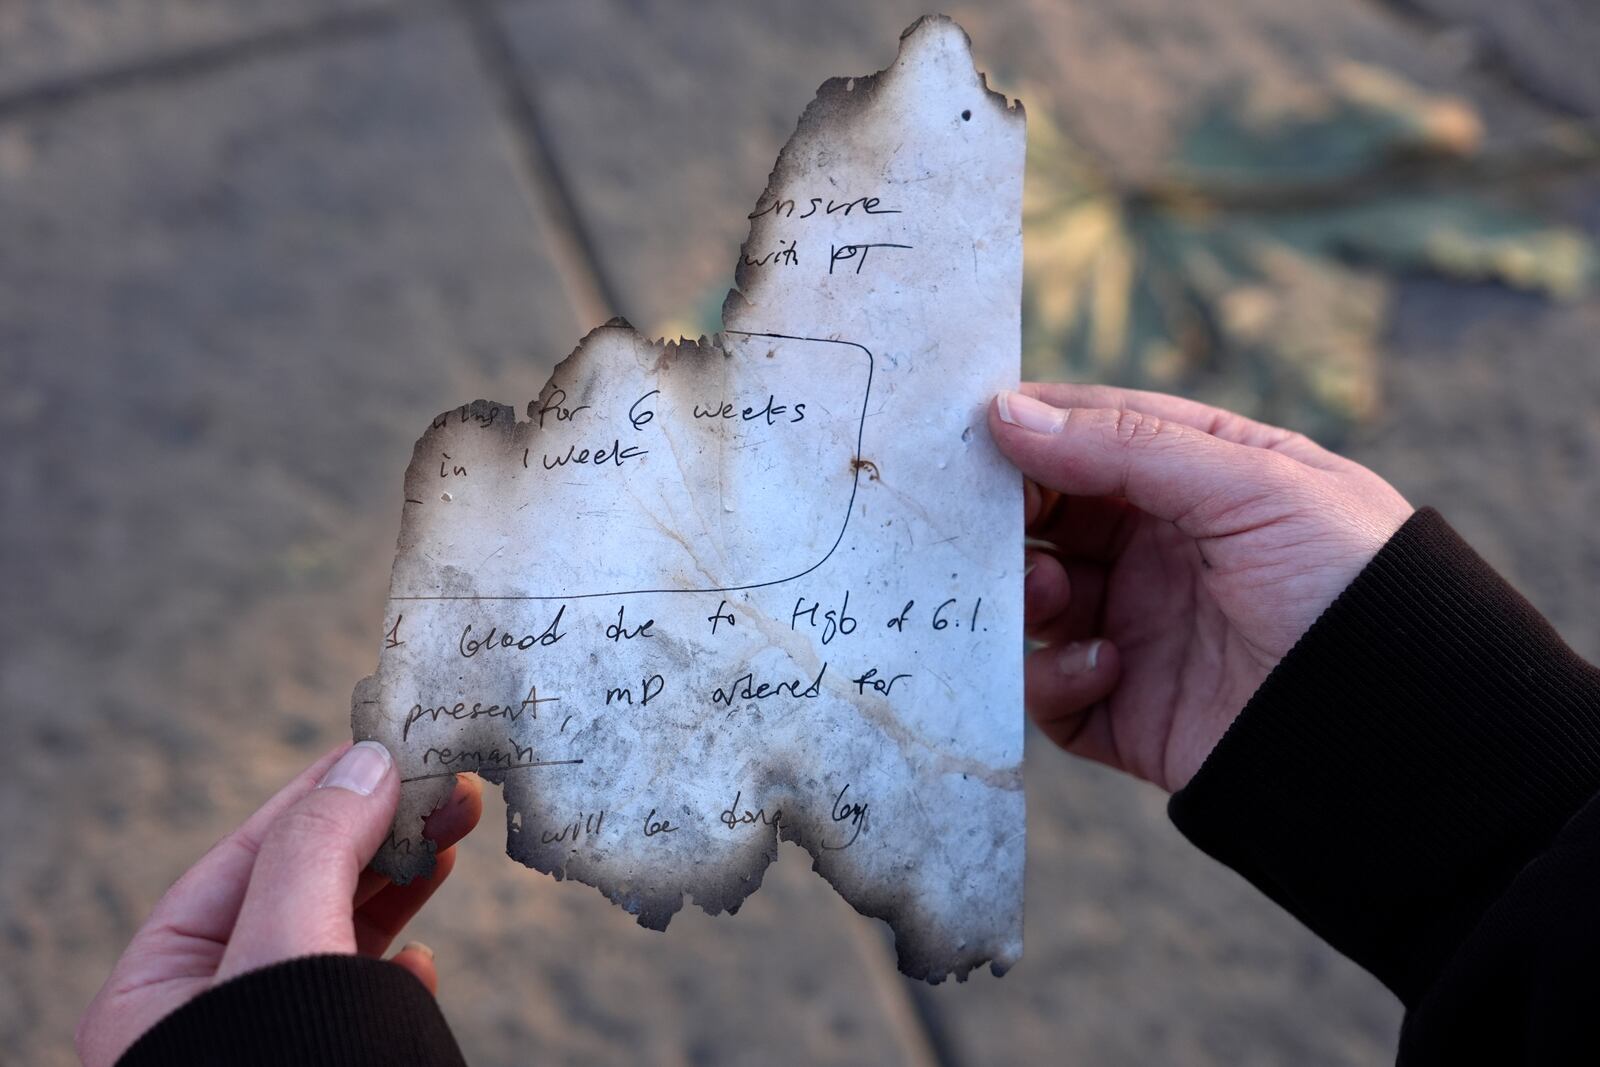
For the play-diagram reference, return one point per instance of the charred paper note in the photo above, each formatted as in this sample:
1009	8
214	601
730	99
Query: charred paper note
702	596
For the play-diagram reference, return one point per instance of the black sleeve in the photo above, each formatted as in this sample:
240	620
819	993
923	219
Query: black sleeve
1416	782
318	1010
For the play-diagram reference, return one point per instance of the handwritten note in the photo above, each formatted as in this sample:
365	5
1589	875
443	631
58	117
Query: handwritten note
702	596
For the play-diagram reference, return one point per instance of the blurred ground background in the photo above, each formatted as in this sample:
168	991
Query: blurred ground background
247	251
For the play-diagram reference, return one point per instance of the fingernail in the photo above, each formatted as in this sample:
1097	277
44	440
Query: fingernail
418	946
358	770
1030	414
1079	657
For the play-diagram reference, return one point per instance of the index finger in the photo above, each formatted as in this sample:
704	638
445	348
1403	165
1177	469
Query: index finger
1226	425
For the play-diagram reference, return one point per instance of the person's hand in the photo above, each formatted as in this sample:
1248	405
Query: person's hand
290	882
1187	549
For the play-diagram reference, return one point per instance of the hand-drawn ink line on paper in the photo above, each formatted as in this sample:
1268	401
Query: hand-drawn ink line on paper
855	482
501	767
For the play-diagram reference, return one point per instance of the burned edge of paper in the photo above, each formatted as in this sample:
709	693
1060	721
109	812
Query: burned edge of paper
838	100
841	100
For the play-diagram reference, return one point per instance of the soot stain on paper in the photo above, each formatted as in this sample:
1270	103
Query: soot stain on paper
768	678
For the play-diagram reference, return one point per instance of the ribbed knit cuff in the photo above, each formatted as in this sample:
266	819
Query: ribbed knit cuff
1425	739
345	1010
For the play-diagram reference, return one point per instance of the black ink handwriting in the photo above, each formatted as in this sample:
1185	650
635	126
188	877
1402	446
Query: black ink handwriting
834	622
786	256
733	818
470	646
599	456
718	616
652	687
556	405
857	253
854	814
620	631
745	688
878	684
641	419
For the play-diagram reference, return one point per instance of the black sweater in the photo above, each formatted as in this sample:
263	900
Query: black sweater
1416	782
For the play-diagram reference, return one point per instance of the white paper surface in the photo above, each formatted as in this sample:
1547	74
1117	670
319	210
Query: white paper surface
703	595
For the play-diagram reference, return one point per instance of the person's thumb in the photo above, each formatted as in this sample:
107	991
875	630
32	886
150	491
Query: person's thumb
1172	471
299	902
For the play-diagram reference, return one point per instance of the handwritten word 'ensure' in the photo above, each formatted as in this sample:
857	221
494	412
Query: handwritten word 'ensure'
784	208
